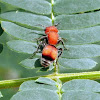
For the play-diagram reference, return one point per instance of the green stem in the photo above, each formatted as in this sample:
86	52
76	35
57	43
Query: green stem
52	15
59	86
83	75
15	82
62	77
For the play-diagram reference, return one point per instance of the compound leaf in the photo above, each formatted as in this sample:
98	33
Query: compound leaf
32	90
41	7
22	46
82	64
75	6
81	89
81	51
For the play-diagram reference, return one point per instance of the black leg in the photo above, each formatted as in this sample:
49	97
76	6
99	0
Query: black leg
64	39
62	44
40	25
41	38
60	49
42	43
35	52
56	24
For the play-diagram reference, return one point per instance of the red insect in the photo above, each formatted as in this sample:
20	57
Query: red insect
52	36
51	29
49	54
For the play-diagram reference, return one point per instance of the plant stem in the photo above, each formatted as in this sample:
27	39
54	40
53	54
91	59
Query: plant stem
15	82
83	75
62	77
52	15
59	86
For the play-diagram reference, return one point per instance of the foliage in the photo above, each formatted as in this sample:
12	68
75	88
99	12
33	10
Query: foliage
72	90
79	24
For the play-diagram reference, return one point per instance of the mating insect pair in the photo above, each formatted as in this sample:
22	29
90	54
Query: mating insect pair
50	52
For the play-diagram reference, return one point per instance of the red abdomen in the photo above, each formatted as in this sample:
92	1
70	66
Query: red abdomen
50	52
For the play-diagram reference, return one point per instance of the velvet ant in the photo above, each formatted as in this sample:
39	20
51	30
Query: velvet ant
50	52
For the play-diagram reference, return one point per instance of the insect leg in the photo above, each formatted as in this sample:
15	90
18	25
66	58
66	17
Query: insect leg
60	49
41	38
60	40
56	24
42	43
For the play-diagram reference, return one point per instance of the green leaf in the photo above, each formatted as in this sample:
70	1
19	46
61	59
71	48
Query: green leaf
81	36
25	19
81	64
37	94
28	20
10	60
41	7
77	51
31	63
80	95
81	51
75	6
46	81
1	95
30	85
35	91
21	32
35	63
81	89
22	46
81	85
68	22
